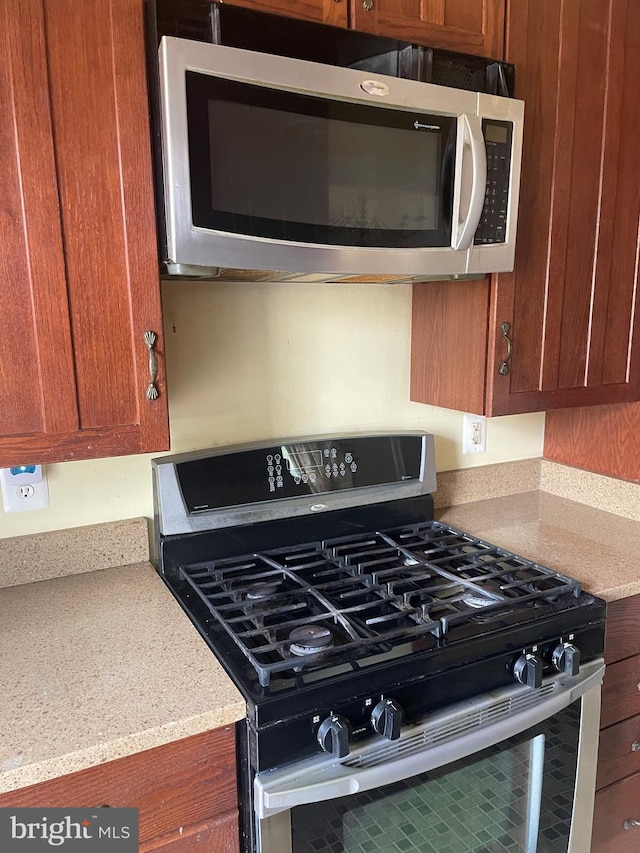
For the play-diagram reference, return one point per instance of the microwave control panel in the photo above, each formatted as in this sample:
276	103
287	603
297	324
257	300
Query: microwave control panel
493	222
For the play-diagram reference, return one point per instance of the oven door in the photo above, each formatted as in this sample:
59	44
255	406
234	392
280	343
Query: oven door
510	771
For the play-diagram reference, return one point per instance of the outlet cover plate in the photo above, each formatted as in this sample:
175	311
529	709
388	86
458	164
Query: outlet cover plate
474	434
24	488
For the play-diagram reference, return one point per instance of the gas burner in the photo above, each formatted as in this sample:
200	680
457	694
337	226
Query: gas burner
477	601
309	639
258	591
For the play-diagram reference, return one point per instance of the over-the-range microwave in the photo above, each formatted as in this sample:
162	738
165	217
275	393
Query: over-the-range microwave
282	169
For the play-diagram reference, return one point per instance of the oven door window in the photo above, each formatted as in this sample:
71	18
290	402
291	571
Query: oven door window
285	166
515	797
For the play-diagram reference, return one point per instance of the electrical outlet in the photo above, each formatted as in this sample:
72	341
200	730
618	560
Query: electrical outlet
474	434
24	487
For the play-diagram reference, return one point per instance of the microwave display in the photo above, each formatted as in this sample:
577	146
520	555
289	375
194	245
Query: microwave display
281	165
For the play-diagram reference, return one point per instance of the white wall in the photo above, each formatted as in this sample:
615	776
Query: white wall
253	361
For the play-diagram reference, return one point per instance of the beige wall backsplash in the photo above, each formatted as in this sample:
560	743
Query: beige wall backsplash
247	362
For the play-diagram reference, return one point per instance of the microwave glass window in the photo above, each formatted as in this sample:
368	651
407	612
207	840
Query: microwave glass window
291	167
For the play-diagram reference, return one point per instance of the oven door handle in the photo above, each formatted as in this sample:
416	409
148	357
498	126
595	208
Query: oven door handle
382	763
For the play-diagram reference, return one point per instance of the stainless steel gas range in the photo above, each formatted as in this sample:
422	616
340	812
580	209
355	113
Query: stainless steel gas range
409	686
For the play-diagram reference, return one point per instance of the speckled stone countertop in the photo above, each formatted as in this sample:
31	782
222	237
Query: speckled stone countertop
598	548
99	665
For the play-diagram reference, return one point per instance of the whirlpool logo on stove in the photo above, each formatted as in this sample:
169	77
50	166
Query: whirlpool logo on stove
105	829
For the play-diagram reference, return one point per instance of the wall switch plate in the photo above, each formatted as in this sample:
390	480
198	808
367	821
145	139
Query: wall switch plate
474	434
24	487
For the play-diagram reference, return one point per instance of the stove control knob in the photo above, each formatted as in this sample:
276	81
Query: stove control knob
528	670
333	736
566	658
386	719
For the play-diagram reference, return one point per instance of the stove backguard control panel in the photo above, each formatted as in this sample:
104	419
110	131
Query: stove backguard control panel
306	468
224	487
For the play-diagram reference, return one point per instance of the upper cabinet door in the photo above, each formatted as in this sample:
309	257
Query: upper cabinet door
571	300
79	286
467	26
321	11
37	383
561	329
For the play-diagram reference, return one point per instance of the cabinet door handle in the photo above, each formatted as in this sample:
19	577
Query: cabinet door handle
505	328
635	746
629	824
152	390
367	5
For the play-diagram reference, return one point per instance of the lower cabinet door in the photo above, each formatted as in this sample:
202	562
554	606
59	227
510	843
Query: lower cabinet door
621	692
214	836
616	819
619	753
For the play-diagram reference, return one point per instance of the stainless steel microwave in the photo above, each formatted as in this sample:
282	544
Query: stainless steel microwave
282	169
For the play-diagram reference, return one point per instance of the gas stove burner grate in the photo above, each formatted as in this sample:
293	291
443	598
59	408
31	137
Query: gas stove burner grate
350	600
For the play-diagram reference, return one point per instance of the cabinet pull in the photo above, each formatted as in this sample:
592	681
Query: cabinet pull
367	5
629	824
150	341
505	328
635	746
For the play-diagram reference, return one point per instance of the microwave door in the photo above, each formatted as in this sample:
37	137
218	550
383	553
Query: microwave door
470	182
307	170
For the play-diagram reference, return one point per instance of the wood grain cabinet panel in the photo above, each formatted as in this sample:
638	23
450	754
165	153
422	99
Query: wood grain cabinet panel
79	283
623	629
571	300
183	790
619	752
604	439
466	26
334	12
617	802
621	691
615	808
214	836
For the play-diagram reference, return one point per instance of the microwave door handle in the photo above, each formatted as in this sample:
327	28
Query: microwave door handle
473	140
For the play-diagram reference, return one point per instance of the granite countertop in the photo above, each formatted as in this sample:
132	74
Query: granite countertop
598	548
102	662
99	665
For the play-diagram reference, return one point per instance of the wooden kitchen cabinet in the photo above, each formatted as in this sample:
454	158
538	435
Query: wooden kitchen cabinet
570	303
185	792
617	802
332	12
465	26
79	283
603	439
